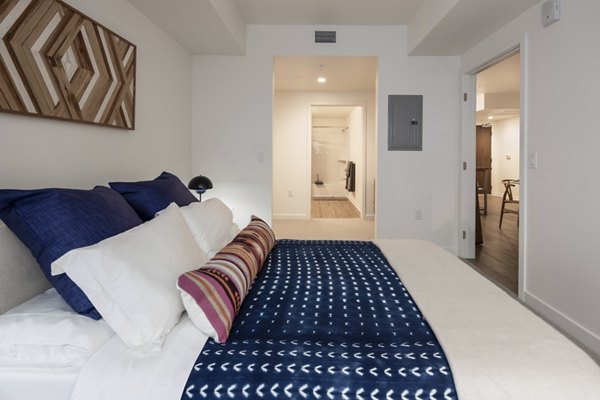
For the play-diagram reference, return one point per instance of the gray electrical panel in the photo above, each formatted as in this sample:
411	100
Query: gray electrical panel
405	122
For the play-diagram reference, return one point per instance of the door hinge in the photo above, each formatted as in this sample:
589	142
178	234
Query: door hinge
464	235
465	97
464	165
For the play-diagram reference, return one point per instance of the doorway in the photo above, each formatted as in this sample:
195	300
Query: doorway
498	155
337	154
301	101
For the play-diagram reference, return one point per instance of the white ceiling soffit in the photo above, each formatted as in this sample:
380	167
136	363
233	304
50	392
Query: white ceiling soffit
328	12
349	74
200	26
446	29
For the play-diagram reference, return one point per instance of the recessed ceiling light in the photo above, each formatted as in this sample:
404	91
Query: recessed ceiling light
490	117
321	79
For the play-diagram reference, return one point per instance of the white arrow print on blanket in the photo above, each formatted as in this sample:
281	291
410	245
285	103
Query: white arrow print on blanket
203	390
217	391
302	390
287	389
259	390
231	389
316	391
359	393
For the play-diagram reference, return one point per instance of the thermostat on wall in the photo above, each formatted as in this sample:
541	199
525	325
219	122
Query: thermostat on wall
550	12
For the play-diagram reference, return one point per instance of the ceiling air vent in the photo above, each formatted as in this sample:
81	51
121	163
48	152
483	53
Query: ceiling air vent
325	36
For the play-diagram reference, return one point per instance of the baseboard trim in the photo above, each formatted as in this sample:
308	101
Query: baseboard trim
354	202
579	334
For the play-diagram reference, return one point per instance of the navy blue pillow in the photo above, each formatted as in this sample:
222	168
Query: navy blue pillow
150	197
51	222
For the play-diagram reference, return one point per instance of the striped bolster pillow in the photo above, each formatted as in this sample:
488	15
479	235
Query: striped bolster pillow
213	294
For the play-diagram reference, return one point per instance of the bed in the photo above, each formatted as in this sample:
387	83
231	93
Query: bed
494	347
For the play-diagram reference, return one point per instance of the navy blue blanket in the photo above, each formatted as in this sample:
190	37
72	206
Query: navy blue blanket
325	320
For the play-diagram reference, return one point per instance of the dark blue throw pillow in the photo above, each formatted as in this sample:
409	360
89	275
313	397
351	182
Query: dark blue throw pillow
51	222
150	197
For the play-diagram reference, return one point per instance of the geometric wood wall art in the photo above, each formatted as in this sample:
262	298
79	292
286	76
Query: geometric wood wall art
55	62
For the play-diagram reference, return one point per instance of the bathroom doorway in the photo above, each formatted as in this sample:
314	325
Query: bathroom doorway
337	143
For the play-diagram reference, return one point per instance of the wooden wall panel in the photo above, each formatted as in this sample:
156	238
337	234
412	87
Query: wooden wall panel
56	62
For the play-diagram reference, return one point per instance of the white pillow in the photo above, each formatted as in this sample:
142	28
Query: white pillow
45	332
211	222
130	278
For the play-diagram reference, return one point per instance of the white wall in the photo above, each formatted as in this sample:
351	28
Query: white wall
420	180
356	154
562	277
37	152
505	141
291	127
233	111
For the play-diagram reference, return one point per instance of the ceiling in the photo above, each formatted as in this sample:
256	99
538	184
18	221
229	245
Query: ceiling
218	27
503	77
328	12
498	91
351	74
451	27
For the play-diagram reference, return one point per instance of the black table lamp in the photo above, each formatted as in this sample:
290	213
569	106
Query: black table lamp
200	184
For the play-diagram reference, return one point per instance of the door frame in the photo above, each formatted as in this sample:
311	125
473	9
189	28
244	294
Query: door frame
466	226
363	106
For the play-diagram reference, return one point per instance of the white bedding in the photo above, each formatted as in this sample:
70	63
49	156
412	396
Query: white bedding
43	345
118	372
496	347
31	383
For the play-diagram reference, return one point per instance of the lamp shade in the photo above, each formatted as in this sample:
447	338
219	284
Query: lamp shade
200	184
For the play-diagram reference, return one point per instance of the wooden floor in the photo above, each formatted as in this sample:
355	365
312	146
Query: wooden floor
498	256
336	208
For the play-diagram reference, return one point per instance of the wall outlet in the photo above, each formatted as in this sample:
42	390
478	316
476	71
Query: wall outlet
418	214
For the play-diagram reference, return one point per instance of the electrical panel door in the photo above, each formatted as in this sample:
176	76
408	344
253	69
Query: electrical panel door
405	122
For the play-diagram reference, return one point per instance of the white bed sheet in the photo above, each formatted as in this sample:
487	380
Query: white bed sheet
497	349
30	383
118	372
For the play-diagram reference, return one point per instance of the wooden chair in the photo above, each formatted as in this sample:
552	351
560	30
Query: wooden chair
507	198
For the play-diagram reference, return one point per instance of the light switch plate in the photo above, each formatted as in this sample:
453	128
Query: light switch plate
533	160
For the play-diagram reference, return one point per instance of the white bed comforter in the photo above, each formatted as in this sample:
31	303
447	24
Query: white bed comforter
497	348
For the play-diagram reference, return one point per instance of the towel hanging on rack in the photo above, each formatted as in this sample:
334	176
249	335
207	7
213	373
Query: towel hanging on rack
350	176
